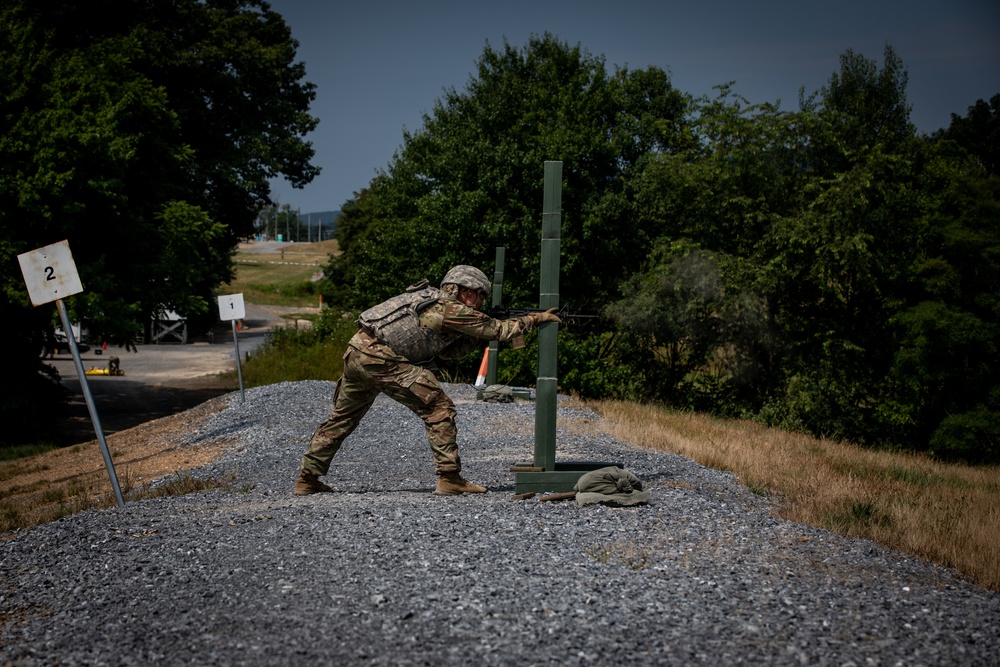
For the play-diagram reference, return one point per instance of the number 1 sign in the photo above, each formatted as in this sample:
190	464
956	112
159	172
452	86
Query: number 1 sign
231	308
50	273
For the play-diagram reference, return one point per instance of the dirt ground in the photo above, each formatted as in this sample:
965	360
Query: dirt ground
159	380
145	415
167	391
46	486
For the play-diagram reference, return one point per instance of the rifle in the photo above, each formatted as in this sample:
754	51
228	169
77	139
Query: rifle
502	313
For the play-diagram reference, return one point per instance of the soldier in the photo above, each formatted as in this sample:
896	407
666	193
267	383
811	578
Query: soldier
394	352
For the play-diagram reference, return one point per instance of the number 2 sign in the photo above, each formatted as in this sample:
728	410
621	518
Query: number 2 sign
50	273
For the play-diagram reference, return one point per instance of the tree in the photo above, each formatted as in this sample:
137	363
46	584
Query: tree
714	205
687	335
281	220
470	179
144	133
978	133
943	387
822	269
811	218
865	107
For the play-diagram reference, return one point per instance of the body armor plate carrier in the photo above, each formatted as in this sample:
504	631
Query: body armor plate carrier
396	323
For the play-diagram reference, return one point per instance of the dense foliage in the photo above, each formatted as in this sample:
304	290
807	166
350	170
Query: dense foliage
825	269
145	133
293	354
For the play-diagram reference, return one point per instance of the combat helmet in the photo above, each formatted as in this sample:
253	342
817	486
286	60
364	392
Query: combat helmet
468	276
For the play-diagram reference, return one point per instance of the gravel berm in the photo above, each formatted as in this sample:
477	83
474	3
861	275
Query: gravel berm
382	572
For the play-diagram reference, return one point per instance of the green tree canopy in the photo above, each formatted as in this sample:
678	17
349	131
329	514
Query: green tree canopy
470	179
978	132
145	133
824	269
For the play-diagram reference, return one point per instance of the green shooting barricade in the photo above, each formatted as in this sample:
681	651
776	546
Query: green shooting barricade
545	473
491	371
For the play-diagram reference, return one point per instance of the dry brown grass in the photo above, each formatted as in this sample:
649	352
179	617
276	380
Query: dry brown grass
317	249
281	278
946	513
317	253
45	487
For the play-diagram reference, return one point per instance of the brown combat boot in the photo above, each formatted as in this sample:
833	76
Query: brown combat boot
308	484
452	484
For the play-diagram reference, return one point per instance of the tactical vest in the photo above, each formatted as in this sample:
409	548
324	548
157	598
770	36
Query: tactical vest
396	323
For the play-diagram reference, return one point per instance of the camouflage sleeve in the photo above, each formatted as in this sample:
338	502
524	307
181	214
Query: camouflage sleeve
462	319
451	318
470	327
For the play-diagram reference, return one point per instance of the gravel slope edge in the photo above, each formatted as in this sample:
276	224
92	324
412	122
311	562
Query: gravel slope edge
382	572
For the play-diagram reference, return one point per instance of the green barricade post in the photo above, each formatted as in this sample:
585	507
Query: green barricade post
492	359
544	473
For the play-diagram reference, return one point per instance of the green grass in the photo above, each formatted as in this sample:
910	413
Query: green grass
286	361
294	355
184	484
14	452
857	518
265	282
281	279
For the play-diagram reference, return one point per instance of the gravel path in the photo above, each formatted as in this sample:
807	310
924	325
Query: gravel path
384	573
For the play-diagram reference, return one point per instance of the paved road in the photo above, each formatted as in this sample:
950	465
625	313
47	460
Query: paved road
165	379
159	380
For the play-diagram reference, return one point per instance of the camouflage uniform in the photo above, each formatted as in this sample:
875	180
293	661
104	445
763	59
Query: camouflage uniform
372	367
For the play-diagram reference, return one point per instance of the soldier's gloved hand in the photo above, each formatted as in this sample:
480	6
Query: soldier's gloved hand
548	316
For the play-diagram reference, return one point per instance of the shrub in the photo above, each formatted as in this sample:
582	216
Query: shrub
971	436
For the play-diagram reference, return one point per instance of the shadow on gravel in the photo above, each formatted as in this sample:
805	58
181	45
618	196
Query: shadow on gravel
144	403
125	402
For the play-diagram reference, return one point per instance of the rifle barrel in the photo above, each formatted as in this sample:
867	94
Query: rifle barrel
501	313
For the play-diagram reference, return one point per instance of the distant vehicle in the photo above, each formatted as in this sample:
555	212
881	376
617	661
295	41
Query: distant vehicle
79	335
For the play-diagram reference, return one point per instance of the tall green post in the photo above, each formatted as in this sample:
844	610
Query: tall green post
548	333
491	368
544	473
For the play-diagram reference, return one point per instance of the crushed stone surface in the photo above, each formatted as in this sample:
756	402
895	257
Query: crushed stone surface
382	572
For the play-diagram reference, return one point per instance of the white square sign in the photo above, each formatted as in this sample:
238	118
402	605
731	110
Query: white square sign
50	273
231	307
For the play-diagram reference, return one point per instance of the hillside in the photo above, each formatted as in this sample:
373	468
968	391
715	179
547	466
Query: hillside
703	574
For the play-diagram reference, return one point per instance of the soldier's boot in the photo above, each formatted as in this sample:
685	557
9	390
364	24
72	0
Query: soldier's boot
452	484
308	484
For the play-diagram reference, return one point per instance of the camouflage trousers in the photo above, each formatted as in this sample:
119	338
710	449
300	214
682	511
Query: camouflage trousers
364	378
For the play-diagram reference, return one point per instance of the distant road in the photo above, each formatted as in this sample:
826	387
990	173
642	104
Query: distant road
264	246
159	380
165	379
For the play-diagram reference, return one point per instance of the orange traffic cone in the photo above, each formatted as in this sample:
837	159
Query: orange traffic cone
481	378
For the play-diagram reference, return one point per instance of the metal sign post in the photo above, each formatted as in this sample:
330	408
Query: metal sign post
50	275
545	474
231	308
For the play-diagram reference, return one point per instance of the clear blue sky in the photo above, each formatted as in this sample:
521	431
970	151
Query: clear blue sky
379	65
